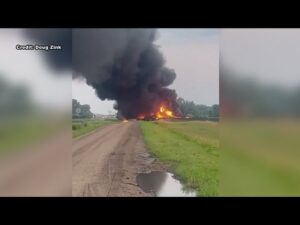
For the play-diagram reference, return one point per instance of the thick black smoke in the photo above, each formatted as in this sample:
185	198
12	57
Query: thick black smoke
58	59
120	64
126	66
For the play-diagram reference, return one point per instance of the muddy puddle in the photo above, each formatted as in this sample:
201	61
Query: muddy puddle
163	184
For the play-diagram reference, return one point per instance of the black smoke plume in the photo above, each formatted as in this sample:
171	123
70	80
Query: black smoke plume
126	66
58	59
122	65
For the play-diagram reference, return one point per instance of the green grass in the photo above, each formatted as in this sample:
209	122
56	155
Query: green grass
80	127
18	133
190	149
260	158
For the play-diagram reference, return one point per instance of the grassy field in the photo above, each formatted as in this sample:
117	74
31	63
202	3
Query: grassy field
18	133
190	149
260	158
80	127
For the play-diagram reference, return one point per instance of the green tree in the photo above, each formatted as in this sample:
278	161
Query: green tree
215	111
81	111
193	110
15	100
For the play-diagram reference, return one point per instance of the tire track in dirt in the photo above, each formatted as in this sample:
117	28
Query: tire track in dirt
106	162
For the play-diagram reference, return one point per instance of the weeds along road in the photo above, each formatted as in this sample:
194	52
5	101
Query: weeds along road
106	161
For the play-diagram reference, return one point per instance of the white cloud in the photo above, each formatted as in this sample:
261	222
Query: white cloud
195	58
85	94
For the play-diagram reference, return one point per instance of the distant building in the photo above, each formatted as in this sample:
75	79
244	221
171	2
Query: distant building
104	117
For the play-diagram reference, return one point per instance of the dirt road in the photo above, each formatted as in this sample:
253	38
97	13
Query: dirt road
42	169
106	161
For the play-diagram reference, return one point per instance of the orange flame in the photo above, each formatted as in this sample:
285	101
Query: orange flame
164	113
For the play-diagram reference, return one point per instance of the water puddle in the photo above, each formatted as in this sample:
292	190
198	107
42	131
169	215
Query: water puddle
163	184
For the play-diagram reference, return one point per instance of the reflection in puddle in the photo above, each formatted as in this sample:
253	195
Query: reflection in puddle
163	184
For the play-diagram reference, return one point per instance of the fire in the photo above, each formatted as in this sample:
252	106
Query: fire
169	113
164	113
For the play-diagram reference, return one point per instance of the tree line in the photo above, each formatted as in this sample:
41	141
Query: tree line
244	96
81	111
15	100
192	110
